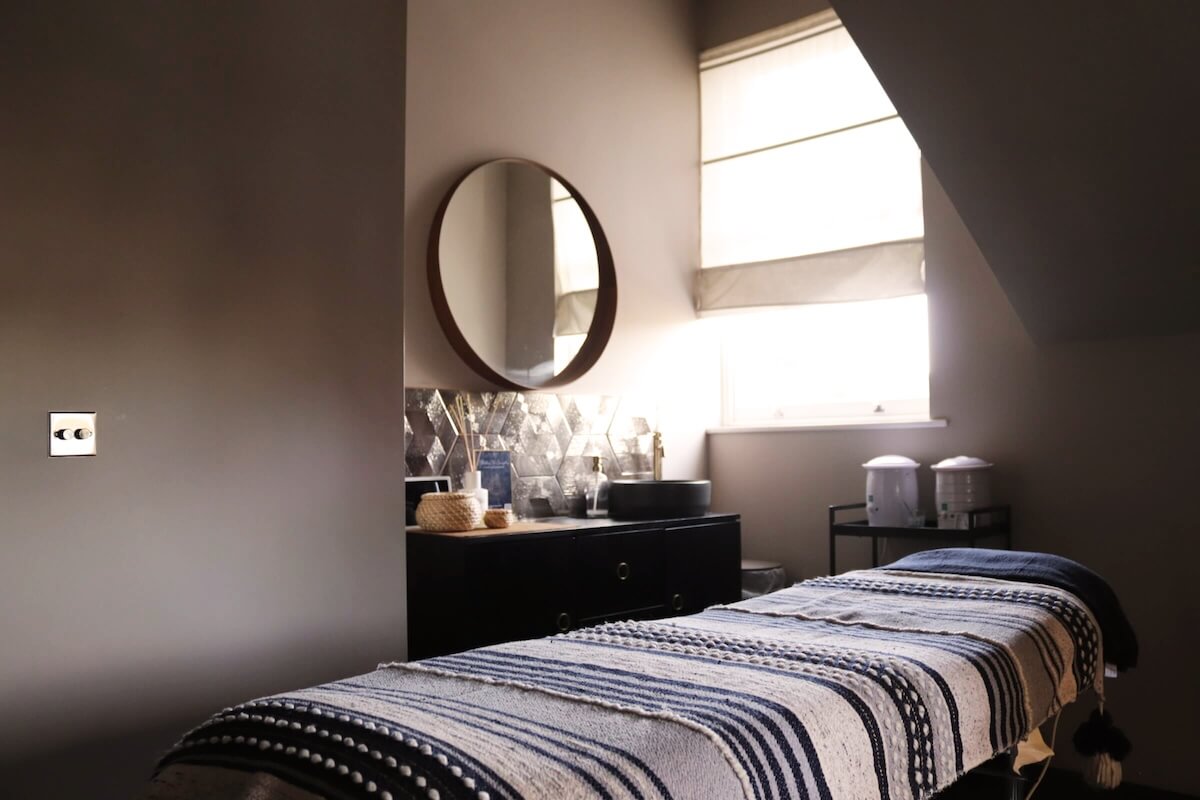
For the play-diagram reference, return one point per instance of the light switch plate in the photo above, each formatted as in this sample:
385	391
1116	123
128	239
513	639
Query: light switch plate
64	440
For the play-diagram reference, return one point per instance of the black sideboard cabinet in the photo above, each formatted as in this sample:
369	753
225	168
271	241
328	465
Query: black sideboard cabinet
471	591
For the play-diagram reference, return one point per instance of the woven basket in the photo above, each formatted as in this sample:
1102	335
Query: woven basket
449	511
498	518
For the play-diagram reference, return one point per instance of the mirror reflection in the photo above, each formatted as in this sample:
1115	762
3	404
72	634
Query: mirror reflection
519	270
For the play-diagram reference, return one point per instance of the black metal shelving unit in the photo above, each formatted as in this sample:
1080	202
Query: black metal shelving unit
999	526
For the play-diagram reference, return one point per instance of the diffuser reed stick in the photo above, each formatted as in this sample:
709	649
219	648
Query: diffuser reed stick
461	417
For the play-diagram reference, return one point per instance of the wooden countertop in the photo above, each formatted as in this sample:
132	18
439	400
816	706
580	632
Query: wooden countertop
560	524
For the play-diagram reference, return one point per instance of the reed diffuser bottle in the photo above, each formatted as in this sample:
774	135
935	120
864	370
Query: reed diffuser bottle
464	421
596	494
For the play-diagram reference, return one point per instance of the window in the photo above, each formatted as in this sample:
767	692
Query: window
811	233
576	275
827	364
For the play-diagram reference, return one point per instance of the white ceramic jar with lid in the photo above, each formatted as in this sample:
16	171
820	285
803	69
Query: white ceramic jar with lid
963	483
891	491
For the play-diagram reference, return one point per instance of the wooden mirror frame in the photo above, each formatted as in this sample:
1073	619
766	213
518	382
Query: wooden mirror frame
606	292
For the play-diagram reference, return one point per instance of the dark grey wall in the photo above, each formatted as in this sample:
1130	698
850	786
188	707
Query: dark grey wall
722	21
200	239
1068	143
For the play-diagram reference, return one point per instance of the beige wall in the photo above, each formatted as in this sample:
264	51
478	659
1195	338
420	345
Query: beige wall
605	93
1095	448
473	243
199	239
530	284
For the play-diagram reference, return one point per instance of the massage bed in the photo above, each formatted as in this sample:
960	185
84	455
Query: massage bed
886	683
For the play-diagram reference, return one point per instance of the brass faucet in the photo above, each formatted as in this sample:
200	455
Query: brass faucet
659	453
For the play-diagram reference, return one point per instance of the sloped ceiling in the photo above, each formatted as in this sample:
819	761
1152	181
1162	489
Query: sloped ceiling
1067	135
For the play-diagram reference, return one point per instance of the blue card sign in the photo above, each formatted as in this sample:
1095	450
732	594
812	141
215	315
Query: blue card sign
496	476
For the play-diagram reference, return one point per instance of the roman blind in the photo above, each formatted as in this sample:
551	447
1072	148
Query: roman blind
576	271
811	183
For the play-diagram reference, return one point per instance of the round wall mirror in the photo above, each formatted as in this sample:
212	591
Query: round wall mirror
521	275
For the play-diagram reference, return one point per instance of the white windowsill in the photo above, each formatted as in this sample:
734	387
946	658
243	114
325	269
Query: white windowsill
845	425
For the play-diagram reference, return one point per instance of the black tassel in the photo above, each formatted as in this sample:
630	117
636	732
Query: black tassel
1099	735
1106	746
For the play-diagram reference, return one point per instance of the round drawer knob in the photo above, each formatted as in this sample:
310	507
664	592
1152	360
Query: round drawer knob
677	602
564	622
623	571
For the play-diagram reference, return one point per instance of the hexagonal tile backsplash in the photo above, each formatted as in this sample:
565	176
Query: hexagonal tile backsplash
433	433
551	438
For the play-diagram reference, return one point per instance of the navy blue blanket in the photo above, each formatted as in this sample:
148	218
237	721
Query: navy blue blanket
1120	642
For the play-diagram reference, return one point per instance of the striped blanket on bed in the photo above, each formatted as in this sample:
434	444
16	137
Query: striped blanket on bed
869	684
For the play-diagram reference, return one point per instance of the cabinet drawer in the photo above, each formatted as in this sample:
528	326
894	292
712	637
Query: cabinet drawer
470	592
619	572
704	566
519	589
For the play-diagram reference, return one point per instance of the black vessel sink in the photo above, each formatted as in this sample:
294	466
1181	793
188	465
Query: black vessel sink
658	499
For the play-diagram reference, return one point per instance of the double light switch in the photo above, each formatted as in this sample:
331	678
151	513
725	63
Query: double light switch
72	433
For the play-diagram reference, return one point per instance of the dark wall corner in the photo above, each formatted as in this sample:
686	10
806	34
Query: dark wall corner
200	240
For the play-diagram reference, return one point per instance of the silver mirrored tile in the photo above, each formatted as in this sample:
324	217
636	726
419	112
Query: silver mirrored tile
524	489
631	435
498	412
576	467
433	434
537	434
478	406
588	413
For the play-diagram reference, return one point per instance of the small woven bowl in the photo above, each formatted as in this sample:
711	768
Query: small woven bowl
498	517
446	512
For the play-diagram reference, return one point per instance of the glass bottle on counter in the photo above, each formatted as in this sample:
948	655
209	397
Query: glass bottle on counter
596	494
